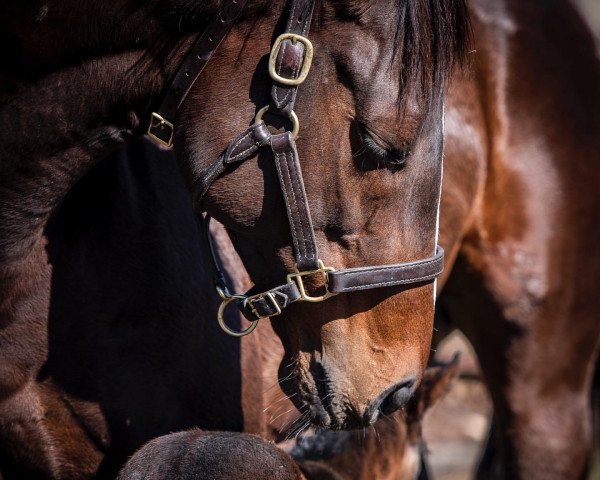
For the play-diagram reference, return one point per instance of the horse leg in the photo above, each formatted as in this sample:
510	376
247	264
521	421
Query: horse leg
40	434
537	352
41	438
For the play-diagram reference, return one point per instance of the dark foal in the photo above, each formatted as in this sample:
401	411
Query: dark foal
198	455
391	449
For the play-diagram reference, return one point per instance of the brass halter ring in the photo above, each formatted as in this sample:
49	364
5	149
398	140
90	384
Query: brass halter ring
227	298
294	118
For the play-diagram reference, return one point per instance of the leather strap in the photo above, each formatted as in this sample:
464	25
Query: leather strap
161	124
291	57
412	274
239	149
255	306
296	203
218	276
271	303
290	179
365	278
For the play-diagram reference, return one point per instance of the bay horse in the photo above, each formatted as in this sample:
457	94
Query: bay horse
83	91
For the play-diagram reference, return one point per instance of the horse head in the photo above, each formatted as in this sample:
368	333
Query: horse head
370	146
369	124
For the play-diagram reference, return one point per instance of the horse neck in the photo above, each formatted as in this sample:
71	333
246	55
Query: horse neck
51	132
54	128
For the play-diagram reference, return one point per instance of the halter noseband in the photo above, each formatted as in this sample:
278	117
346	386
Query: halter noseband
289	65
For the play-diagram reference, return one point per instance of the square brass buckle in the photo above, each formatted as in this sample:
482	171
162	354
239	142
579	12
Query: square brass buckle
158	126
297	277
308	56
271	297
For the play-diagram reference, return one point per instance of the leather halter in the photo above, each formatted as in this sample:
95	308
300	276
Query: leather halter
289	65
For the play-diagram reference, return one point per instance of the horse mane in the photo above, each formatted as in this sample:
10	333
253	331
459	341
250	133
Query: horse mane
432	38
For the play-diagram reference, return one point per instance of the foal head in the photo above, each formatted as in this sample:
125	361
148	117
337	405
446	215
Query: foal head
370	146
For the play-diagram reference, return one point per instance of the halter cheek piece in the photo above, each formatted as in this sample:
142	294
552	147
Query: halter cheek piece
289	65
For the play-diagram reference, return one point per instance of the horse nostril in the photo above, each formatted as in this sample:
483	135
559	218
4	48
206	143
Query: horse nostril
397	398
390	400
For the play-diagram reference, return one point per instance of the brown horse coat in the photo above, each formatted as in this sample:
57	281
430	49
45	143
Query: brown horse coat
101	288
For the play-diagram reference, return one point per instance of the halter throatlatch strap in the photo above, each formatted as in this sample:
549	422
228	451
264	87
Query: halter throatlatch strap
289	64
161	128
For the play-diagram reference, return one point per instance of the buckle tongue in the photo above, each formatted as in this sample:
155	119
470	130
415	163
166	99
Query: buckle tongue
297	277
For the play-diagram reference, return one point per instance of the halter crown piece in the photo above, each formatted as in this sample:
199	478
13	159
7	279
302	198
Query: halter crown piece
289	65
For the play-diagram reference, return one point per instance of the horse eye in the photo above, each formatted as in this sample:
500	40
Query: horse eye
392	158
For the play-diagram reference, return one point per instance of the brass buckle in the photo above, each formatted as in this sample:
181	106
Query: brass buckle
297	277
271	297
293	116
308	56
156	121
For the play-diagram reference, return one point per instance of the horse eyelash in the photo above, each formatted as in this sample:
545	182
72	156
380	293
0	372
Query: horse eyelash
392	158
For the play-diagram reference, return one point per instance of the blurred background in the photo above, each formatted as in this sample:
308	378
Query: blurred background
591	11
456	429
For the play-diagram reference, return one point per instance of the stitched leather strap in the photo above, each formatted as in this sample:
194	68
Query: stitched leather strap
296	203
161	123
271	303
290	179
365	278
291	57
254	305
239	149
412	274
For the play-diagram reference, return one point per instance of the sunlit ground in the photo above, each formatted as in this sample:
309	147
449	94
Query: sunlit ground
455	429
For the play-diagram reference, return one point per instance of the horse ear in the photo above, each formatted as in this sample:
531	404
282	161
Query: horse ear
439	377
437	381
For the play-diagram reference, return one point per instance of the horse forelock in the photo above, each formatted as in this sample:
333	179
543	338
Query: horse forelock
432	37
